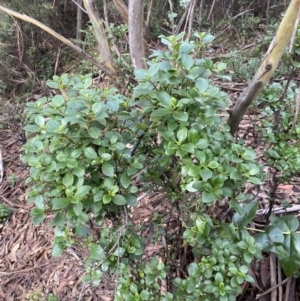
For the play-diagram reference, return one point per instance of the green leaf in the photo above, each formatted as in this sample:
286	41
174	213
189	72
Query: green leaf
164	99
208	197
59	203
279	222
106	199
108	170
192	283
161	112
235	175
193	136
90	153
249	154
144	295
31	128
96	251
202	144
206	174
292	222
218	181
57	100
96	107
94	132
88	82
213	164
78	208
275	234
153	69
169	136
57	250
38	215
200	156
248	213
188	147
125	180
187	61
82	191
291	263
263	239
79	171
52	84
131	199
68	180
254	180
181	116
202	84
39	120
119	200
52	125
207	39
273	154
182	135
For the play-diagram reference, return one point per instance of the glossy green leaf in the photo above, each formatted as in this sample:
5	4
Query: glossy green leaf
52	84
248	213
37	215
208	197
90	153
182	135
59	203
119	200
144	295
161	112
188	147
206	174
181	116
107	169
68	180
57	100
39	120
82	191
193	136
78	208
164	99
202	144
187	61
273	154
125	180
275	234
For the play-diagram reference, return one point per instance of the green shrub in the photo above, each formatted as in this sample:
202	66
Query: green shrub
88	145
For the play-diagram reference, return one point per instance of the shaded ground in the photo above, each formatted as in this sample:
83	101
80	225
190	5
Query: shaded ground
27	270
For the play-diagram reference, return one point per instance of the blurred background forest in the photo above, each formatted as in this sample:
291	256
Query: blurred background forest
29	56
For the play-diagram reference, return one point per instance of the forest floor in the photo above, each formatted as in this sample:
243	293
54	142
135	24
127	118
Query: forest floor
28	272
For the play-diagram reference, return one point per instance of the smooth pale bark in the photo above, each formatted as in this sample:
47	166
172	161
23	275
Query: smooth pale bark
100	34
79	21
268	66
58	37
122	9
136	33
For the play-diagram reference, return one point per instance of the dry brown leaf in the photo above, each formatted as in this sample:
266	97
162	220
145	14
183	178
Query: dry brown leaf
285	187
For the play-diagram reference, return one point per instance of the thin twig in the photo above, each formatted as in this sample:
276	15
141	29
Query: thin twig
27	270
272	288
79	6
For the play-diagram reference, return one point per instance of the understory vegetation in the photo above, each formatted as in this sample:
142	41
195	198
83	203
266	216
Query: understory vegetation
95	145
93	151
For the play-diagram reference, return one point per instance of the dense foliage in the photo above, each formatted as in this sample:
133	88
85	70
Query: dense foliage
92	152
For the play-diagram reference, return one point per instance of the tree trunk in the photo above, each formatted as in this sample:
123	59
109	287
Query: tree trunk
79	20
122	9
100	34
268	66
136	33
